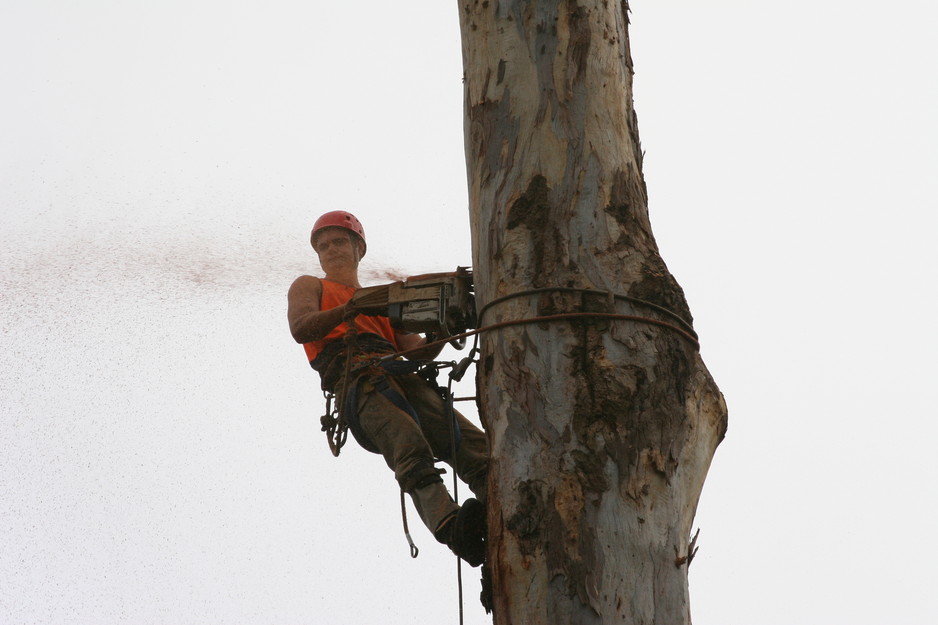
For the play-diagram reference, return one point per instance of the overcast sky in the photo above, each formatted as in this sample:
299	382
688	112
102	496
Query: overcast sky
161	165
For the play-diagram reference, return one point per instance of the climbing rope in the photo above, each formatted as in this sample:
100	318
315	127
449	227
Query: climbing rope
451	418
685	330
607	294
334	422
545	318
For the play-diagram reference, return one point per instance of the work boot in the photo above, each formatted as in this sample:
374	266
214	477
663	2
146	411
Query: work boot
464	532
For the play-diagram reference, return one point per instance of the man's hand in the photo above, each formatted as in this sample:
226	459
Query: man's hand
413	341
371	301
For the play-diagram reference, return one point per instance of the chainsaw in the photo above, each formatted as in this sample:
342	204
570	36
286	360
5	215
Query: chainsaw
437	304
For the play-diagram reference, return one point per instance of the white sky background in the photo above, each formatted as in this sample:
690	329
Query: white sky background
161	165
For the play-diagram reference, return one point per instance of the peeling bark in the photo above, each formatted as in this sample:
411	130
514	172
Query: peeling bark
602	431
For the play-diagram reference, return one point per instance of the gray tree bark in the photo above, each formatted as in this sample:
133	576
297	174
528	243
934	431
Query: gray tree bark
602	430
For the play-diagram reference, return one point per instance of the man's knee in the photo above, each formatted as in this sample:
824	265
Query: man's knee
421	474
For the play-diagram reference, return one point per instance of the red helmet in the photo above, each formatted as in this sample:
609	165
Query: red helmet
338	219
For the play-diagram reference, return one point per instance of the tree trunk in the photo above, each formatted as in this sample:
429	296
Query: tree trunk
602	429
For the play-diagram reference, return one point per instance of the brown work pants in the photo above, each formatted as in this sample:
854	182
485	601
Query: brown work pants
410	448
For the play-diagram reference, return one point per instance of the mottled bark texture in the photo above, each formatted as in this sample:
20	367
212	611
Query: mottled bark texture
602	431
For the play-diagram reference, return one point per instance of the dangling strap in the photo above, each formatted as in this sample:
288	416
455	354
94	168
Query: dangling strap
429	374
410	541
350	406
455	433
381	385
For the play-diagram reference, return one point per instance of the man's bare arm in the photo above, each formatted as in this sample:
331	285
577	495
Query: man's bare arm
307	321
412	341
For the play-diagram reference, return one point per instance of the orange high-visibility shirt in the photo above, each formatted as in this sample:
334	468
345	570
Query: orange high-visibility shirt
335	294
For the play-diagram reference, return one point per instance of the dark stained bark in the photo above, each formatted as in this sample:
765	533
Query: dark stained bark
602	430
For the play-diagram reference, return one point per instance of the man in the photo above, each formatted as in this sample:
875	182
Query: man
399	416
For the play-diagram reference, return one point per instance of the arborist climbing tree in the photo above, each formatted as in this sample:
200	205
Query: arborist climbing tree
389	409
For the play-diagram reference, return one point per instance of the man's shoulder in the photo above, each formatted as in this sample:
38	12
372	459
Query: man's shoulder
306	283
307	279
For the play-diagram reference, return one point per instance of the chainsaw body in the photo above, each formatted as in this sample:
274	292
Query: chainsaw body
438	303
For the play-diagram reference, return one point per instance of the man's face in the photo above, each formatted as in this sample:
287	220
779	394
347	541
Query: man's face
336	249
